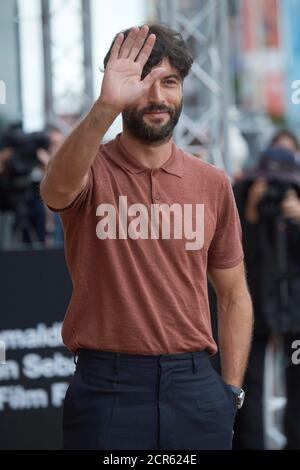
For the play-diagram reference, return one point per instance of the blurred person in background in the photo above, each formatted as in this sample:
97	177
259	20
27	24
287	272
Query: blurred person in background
23	159
18	188
268	200
46	225
285	139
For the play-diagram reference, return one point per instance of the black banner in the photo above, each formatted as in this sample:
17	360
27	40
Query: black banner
35	290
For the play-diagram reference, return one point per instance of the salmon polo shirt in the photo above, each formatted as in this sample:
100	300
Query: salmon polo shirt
138	243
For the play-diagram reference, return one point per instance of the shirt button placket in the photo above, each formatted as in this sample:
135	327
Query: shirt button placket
155	193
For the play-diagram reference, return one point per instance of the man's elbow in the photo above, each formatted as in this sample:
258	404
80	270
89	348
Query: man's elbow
53	195
59	195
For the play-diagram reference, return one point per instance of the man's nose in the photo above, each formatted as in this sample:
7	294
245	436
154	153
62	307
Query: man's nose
155	94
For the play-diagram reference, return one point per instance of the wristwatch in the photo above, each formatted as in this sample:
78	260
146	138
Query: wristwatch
240	395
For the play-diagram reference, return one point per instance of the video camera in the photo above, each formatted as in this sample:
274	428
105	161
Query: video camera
280	169
16	178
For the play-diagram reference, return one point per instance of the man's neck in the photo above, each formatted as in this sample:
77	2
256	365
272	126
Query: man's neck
148	155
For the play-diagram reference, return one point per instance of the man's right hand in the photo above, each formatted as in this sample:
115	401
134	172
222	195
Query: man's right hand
122	84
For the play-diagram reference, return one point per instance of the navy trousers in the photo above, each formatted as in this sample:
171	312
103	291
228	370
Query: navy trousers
120	401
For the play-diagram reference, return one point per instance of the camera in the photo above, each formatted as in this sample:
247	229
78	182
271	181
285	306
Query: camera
280	169
16	178
276	192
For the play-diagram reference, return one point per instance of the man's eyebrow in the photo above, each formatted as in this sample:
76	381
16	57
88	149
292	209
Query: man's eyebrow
173	75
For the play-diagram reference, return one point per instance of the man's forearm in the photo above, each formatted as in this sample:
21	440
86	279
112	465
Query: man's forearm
71	163
235	323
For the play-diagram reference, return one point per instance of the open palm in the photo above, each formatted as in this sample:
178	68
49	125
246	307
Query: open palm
122	84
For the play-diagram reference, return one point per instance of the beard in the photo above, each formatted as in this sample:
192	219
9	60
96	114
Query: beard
139	129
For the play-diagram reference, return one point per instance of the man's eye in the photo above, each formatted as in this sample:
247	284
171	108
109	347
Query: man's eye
170	82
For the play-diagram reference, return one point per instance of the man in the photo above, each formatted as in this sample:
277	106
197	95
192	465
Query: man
139	316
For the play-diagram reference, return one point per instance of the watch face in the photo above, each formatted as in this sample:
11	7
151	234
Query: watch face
240	395
240	399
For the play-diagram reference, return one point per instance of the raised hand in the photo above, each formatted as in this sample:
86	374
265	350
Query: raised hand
122	84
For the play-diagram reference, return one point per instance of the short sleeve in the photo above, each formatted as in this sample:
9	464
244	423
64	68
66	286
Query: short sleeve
226	249
81	198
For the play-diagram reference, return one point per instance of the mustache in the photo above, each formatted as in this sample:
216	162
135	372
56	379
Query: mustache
156	108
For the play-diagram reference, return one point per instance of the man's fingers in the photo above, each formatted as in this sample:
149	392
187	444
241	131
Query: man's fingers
146	50
128	43
114	53
139	41
152	76
134	46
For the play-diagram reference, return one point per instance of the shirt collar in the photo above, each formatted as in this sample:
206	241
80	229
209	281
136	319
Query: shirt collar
173	166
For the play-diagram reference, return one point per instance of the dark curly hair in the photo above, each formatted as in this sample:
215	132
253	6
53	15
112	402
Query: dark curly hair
285	133
169	44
